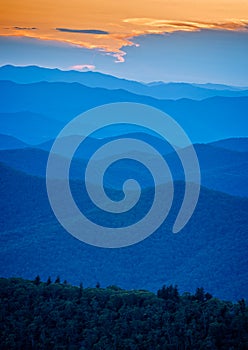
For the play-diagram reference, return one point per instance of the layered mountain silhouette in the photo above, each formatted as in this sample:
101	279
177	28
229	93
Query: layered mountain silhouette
221	169
57	103
160	90
10	142
234	144
210	251
28	126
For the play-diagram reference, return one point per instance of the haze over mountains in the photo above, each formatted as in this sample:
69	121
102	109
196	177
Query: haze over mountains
211	251
160	90
238	144
216	162
204	121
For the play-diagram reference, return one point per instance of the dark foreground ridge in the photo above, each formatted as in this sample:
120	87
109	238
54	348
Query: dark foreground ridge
37	315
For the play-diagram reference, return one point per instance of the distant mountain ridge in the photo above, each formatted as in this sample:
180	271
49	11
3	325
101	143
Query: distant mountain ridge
221	169
211	253
204	121
160	90
239	144
8	142
29	127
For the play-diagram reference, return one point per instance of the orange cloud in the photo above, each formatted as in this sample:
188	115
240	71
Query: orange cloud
169	26
115	23
113	43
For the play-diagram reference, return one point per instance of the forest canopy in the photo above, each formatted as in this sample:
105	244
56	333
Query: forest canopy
56	315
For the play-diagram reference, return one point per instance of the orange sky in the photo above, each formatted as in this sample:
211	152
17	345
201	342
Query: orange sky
122	19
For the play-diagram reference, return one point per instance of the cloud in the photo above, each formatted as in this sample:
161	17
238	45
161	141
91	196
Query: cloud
83	31
160	26
115	42
25	28
200	57
218	56
83	67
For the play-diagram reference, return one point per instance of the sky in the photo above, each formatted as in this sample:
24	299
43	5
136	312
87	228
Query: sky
156	40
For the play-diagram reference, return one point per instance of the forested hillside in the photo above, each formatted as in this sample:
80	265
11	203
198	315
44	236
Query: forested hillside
36	315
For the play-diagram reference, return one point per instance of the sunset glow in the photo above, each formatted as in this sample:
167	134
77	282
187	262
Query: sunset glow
110	26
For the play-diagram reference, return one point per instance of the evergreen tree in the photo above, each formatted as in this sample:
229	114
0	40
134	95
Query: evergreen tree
57	280
49	281
37	280
33	316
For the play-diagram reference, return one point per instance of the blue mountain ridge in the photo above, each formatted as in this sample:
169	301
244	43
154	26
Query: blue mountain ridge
204	121
10	142
210	253
160	90
239	144
221	169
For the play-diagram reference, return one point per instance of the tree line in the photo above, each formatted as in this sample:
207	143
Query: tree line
57	315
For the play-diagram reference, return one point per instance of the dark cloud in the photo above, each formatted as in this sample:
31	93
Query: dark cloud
83	31
25	28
